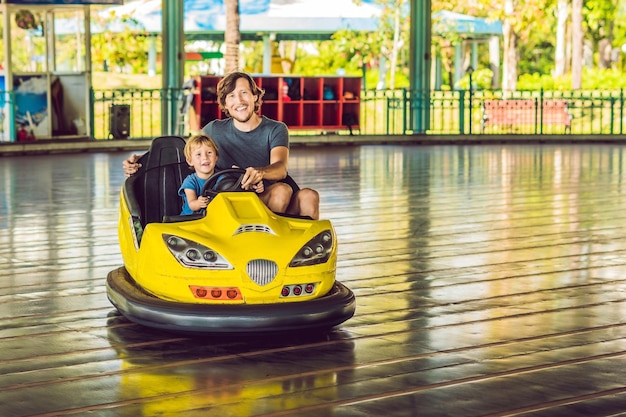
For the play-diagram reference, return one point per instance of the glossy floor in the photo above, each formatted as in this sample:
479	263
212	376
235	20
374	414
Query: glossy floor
490	281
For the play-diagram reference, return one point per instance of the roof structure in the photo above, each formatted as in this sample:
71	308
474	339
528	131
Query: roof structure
286	19
445	21
290	19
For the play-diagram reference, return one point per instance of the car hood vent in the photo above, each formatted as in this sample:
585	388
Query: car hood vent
261	228
262	271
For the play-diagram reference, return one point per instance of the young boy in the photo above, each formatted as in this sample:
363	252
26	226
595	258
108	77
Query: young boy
201	154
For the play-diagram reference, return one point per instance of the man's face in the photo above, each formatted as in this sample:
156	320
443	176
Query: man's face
240	102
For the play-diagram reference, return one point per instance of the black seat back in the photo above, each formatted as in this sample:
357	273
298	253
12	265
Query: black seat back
152	193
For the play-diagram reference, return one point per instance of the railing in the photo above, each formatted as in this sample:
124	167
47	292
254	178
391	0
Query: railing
144	111
393	112
462	112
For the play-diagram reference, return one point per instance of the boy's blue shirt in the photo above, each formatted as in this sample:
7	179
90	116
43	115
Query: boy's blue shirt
193	182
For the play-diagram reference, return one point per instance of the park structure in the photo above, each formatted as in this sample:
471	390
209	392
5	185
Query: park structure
46	94
45	75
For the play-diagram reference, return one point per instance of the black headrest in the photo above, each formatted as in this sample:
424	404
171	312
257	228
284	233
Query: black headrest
155	185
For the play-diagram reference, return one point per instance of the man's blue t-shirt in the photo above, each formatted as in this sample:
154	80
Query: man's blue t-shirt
246	149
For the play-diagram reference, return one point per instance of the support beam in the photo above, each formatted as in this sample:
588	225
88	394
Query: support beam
152	55
420	64
268	41
459	61
494	61
173	63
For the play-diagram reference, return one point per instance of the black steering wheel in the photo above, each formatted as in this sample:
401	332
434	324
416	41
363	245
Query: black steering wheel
227	180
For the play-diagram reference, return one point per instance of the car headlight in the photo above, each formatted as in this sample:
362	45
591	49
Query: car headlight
316	251
193	254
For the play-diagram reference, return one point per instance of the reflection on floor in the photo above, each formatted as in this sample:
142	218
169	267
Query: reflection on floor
490	280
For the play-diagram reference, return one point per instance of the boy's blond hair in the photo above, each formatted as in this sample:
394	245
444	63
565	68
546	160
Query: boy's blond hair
199	140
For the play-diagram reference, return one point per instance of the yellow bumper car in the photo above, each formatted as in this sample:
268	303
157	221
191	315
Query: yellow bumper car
239	267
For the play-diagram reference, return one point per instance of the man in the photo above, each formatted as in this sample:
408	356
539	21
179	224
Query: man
256	143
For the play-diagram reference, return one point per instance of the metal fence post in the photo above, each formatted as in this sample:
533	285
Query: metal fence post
540	106
405	101
612	113
621	111
92	119
462	112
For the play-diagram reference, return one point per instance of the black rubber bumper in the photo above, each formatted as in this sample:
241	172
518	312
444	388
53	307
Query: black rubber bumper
140	307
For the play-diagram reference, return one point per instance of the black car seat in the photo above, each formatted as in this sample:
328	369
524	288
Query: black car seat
152	193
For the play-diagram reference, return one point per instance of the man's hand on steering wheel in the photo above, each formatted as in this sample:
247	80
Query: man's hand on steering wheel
225	180
251	178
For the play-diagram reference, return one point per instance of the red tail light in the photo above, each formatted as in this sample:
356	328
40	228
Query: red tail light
297	290
216	293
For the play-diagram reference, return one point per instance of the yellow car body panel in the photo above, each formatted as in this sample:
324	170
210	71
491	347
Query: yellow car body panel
239	227
239	268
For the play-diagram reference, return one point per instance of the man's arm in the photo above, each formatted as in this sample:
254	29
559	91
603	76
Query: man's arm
276	170
131	165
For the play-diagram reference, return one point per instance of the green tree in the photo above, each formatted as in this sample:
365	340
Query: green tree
331	57
600	19
124	49
364	50
355	49
577	44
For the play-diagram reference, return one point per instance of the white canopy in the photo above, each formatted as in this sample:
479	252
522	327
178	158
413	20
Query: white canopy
286	18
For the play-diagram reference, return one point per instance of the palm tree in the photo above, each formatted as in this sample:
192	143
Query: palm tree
232	36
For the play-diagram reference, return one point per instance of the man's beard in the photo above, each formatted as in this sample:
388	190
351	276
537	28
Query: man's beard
241	117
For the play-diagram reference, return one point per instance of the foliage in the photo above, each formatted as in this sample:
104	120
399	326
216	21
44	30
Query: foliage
252	56
598	16
372	78
357	53
107	81
593	79
481	80
30	55
330	58
124	50
357	48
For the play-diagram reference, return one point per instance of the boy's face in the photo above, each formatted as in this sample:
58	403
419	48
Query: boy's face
240	102
203	160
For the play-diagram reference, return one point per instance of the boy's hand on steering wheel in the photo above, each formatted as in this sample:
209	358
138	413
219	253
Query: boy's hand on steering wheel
259	187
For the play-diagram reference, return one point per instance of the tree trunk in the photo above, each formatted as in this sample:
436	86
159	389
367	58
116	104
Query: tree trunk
560	62
288	54
605	47
577	44
232	36
509	65
604	53
396	47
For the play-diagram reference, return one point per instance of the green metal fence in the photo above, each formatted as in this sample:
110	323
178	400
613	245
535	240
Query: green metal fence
144	108
393	112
